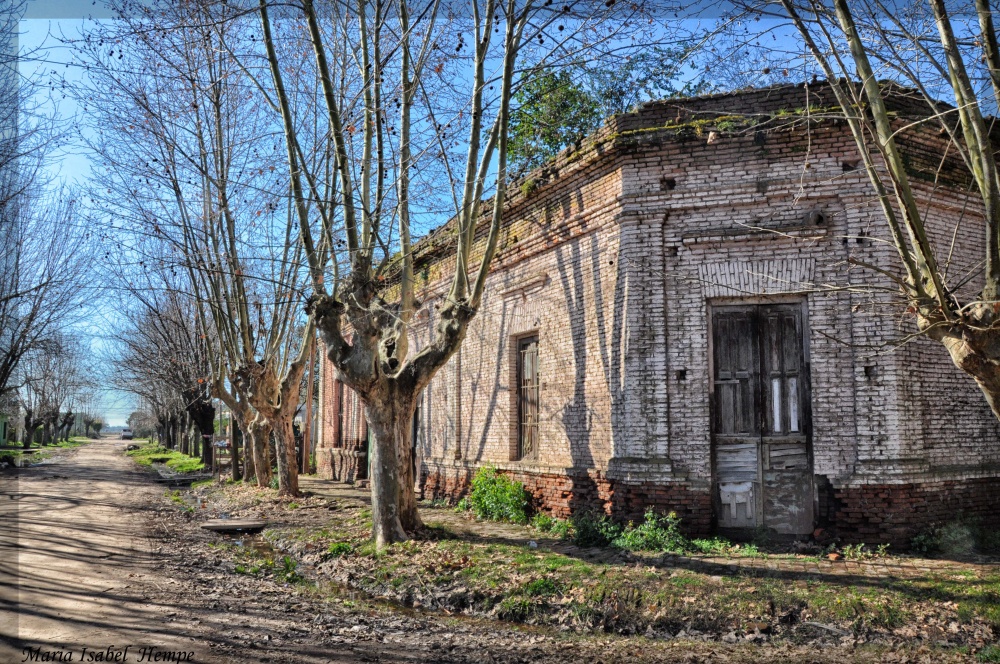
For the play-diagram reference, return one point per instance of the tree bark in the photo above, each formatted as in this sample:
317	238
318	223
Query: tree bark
408	514
288	477
258	433
384	413
236	436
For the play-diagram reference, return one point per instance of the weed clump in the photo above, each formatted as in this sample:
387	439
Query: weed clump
496	497
654	533
551	525
338	549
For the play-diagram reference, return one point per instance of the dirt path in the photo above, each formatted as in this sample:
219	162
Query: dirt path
75	568
92	557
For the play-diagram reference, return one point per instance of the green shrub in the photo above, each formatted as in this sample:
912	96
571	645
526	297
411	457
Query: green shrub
498	498
551	525
655	533
590	529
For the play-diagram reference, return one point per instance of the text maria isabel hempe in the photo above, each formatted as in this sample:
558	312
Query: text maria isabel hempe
108	654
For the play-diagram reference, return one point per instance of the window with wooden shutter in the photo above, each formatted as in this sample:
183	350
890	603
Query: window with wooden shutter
527	397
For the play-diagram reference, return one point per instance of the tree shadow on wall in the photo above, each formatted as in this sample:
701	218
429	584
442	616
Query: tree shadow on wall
578	418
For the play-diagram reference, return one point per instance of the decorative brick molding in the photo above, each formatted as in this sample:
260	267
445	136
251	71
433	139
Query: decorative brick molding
751	278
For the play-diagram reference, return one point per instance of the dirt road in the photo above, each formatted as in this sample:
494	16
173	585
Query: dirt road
96	566
91	563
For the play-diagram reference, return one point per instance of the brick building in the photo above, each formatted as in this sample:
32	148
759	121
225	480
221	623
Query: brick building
676	319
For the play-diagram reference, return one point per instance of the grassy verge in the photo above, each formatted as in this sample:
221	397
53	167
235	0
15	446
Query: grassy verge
531	575
149	454
36	454
611	590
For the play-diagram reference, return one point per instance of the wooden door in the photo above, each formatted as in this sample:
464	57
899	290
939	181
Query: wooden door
762	462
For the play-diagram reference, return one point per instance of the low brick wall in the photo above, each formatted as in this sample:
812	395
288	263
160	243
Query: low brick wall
873	514
563	494
339	464
894	513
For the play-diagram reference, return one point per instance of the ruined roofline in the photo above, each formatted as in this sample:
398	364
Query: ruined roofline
773	108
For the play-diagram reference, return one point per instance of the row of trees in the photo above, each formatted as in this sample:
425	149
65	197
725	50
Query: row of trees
267	175
268	168
44	252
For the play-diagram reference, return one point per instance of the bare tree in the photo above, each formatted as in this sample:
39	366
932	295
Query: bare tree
936	53
43	277
52	377
400	80
203	198
162	356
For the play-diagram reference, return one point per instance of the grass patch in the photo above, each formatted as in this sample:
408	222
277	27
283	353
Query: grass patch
180	463
32	455
990	653
609	591
540	588
551	526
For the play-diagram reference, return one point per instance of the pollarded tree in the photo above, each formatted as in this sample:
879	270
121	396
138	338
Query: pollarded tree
401	81
938	53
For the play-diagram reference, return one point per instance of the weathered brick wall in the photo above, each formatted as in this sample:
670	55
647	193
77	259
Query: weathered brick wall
574	490
342	451
895	513
614	258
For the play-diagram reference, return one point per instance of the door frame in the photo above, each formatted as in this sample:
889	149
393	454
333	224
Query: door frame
757	300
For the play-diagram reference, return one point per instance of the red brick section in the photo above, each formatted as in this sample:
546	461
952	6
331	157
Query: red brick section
562	495
895	513
872	514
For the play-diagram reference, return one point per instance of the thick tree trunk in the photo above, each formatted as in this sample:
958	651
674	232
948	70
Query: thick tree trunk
183	430
383	415
408	514
236	436
288	477
258	434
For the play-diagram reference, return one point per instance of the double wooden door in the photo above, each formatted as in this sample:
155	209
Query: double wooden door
761	456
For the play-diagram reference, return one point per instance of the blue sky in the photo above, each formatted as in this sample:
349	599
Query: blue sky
43	20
